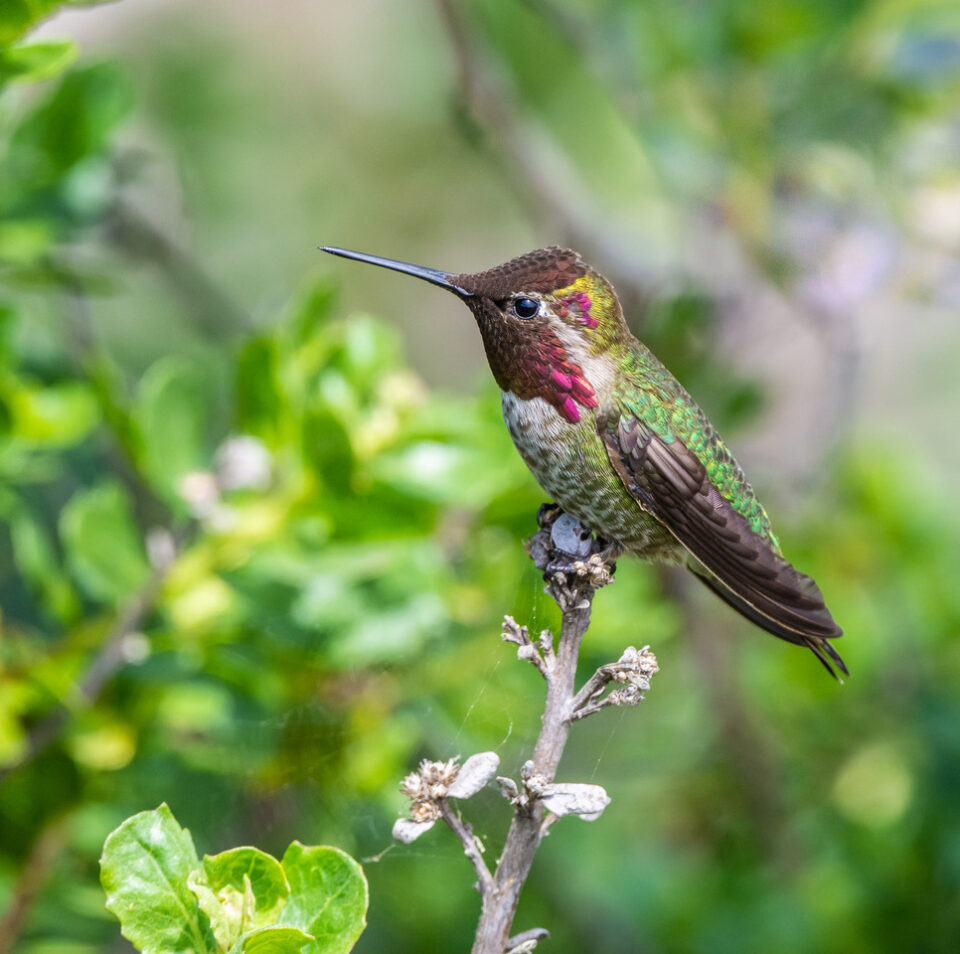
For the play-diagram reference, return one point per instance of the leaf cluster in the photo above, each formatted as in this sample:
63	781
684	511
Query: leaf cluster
240	901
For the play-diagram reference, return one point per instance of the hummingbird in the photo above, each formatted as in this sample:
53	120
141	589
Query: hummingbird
618	442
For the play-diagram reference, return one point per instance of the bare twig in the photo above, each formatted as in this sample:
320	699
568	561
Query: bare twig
575	566
33	876
526	940
471	849
572	583
539	654
632	672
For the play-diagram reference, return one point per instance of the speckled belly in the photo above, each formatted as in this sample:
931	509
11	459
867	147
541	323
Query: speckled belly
571	464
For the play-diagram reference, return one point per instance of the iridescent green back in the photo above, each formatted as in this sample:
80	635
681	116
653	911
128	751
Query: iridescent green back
657	399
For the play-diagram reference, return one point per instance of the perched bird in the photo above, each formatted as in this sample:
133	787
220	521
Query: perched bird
619	444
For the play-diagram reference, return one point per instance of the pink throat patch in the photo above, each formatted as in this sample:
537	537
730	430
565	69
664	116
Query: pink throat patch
563	384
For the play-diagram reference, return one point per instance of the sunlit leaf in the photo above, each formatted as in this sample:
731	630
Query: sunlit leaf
272	940
36	61
17	16
25	241
328	897
60	414
144	870
229	869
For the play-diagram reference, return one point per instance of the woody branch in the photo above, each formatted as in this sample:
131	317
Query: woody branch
575	566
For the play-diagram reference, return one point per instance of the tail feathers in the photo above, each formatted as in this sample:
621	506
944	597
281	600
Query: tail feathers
818	645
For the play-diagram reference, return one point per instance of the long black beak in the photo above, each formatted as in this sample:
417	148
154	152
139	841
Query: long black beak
431	275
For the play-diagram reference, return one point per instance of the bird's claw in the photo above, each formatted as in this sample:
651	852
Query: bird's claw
547	513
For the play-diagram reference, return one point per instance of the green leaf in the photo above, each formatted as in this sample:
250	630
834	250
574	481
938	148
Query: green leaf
259	399
36	61
328	897
327	446
265	874
71	128
224	921
170	413
18	16
103	546
36	559
25	241
57	414
144	870
242	890
272	940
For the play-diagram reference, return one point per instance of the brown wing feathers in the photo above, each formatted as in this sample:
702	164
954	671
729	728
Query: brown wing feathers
671	483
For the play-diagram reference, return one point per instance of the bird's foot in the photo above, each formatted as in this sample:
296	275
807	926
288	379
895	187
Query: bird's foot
568	553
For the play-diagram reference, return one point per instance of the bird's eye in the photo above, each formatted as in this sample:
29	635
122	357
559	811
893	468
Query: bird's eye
526	307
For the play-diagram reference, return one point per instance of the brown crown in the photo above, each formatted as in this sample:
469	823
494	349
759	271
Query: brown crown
544	270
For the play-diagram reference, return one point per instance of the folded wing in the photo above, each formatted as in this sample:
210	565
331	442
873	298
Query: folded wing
670	482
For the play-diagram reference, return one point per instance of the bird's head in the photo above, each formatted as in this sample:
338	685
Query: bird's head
546	319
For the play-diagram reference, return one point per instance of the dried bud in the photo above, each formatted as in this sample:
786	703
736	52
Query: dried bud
636	667
573	798
435	781
513	632
594	570
508	788
627	696
533	782
408	830
427	786
474	775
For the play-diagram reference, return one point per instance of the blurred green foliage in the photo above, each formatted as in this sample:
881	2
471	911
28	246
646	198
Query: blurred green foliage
251	565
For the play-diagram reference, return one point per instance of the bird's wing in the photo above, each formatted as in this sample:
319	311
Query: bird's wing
670	482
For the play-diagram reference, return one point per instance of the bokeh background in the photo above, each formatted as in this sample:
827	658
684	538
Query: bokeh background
261	518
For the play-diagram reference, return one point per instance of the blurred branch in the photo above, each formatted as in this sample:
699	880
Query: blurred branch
714	259
107	661
33	876
840	342
89	360
135	235
542	174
